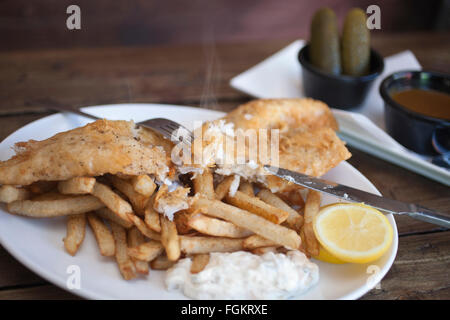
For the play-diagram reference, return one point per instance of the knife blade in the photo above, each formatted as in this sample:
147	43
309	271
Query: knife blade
350	194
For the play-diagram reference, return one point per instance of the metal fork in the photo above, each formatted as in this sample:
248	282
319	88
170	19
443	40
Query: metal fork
169	129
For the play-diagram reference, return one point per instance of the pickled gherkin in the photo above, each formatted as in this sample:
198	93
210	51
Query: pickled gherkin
355	44
323	49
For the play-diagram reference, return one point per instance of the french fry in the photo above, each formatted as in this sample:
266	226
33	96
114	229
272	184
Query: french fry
161	263
42	186
257	241
126	266
76	230
143	184
138	201
223	188
294	220
146	251
10	193
51	195
135	238
312	207
203	184
77	185
143	228
103	235
257	206
151	217
247	188
181	219
199	262
244	219
198	245
107	214
216	227
170	239
55	208
112	200
264	250
302	247
293	198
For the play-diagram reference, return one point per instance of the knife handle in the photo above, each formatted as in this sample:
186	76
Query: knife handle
427	215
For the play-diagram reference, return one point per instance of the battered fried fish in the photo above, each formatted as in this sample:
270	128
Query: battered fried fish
307	140
101	147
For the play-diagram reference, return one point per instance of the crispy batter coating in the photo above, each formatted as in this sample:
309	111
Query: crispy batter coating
308	142
101	147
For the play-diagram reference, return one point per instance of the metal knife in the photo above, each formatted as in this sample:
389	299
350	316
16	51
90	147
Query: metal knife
354	195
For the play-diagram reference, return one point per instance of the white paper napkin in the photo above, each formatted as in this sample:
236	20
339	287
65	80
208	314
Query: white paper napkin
279	76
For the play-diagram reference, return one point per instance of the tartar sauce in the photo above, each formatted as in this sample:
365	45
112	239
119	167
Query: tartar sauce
243	275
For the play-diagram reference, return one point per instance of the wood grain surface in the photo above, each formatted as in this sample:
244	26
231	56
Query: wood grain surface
198	75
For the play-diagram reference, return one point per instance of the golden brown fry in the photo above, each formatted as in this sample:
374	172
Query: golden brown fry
76	230
77	185
257	206
170	239
138	201
112	200
135	238
103	235
152	217
199	262
244	219
55	208
203	184
143	228
181	219
146	251
143	184
264	250
126	266
107	214
247	188
197	245
52	195
223	188
312	207
302	247
256	241
216	227
161	263
293	198
10	193
294	220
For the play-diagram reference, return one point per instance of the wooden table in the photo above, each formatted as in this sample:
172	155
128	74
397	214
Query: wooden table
32	81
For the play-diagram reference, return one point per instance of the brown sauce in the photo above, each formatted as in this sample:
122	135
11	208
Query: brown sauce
427	102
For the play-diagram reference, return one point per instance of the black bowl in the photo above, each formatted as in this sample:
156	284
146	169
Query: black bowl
338	91
413	130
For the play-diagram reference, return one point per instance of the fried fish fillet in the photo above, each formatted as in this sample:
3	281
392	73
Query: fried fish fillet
283	114
308	142
103	146
307	139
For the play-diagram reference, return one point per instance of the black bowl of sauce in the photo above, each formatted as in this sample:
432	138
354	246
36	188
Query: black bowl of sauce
417	110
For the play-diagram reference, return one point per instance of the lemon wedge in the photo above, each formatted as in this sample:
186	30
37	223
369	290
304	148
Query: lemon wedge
353	232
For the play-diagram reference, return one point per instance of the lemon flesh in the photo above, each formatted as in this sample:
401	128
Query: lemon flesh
353	232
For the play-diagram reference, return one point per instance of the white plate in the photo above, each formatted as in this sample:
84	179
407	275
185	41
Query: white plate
37	243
